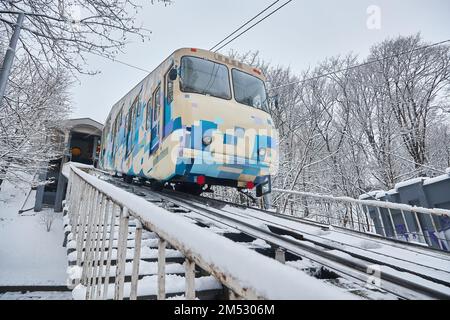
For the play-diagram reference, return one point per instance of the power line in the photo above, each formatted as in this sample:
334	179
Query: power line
228	36
121	62
360	65
261	12
58	19
257	22
220	42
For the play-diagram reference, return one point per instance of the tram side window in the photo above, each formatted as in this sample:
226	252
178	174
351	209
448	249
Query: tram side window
120	121
112	137
103	141
120	117
169	87
154	125
115	129
129	128
137	111
157	104
134	114
126	124
148	116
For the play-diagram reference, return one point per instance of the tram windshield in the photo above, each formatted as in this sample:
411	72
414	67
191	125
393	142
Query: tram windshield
204	77
248	89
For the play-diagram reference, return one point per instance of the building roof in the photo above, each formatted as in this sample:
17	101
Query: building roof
83	125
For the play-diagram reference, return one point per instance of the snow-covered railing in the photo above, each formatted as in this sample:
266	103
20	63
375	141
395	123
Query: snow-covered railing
93	206
393	220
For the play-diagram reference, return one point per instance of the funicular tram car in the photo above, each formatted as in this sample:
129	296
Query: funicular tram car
196	121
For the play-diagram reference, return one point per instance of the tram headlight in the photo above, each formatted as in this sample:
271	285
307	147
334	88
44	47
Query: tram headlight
262	152
207	140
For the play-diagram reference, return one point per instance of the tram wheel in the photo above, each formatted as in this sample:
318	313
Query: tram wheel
127	178
190	188
156	185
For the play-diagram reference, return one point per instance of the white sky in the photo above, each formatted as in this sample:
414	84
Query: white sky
299	35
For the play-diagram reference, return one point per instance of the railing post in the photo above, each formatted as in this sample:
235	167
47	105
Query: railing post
102	253
351	215
69	188
81	212
190	279
72	204
161	269
357	215
419	226
373	220
406	225
280	255
136	260
121	254
436	231
89	253
77	207
100	222
84	223
366	216
87	259
110	249
383	229
392	223
74	200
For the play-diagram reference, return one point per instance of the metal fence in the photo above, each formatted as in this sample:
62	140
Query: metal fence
392	220
94	208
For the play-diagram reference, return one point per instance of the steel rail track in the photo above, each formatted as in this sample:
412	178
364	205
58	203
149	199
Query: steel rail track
355	268
339	243
411	246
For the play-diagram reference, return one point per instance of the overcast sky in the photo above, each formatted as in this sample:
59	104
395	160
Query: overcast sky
299	35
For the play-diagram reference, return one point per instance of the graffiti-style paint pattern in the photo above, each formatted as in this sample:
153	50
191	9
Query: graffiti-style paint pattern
145	135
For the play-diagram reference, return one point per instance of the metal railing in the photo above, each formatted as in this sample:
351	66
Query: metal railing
391	220
94	207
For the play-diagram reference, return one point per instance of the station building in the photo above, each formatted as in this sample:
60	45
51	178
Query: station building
80	143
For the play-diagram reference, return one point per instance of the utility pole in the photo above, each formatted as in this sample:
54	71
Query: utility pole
9	56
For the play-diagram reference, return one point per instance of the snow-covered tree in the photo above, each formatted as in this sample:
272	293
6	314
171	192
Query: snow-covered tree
35	103
54	40
346	130
61	32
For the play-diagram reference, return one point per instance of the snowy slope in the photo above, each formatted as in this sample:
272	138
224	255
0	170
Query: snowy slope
29	255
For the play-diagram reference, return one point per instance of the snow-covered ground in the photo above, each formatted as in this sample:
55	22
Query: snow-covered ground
37	295
29	255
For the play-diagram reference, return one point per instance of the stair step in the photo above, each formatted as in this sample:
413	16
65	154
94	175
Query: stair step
148	286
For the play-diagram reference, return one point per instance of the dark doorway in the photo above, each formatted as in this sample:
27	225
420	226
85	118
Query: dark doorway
82	147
